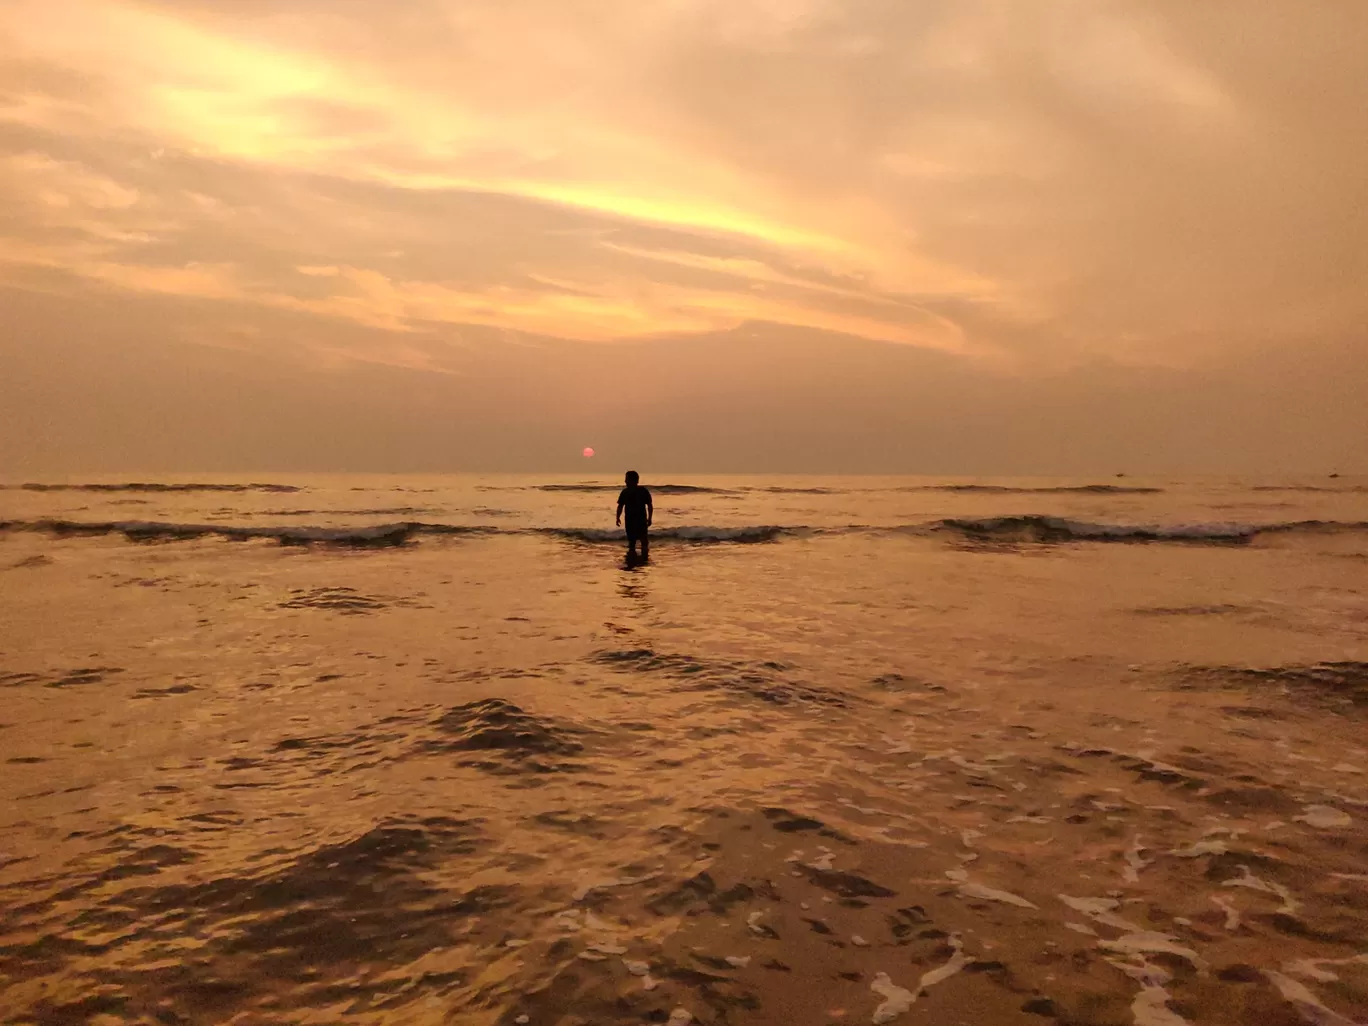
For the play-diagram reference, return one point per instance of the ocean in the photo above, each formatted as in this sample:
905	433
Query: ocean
323	749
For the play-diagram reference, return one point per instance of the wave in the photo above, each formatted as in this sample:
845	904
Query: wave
1022	529
1036	528
378	535
154	486
762	533
141	530
1347	489
660	489
681	489
1089	489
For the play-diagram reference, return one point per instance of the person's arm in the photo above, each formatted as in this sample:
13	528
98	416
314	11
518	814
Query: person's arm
650	509
619	511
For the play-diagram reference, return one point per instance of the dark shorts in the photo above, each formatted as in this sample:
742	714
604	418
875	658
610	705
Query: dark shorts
636	532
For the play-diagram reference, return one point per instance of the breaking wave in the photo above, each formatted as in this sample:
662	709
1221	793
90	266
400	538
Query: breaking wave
1021	529
375	536
1035	528
378	535
743	535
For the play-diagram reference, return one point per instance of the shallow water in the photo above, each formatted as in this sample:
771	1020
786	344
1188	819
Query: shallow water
918	753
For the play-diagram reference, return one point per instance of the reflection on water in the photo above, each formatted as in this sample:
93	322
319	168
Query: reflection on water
479	779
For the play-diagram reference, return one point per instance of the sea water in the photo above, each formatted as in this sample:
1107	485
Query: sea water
289	748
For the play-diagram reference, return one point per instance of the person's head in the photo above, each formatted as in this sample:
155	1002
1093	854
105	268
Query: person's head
632	477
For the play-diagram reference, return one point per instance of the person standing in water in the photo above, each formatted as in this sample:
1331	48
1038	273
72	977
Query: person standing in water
636	502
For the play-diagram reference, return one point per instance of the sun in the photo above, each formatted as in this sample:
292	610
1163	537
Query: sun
588	451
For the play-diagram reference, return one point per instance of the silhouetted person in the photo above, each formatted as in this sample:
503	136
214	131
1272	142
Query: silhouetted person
635	501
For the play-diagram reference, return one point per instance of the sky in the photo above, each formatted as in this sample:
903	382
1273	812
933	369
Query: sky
838	236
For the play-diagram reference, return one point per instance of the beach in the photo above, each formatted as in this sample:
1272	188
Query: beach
294	748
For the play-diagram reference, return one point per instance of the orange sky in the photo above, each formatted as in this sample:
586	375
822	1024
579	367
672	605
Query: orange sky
940	235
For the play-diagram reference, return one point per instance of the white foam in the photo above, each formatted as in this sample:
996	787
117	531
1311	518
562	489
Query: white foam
1200	848
825	861
956	963
680	1017
738	961
1134	863
972	767
868	811
1100	910
1311	968
1324	817
1232	913
967	889
1150	942
1150	1007
753	923
1029	819
1308	1006
1081	928
896	1000
621	881
859	941
638	968
1249	880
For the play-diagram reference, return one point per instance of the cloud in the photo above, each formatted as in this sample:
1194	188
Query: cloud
1033	188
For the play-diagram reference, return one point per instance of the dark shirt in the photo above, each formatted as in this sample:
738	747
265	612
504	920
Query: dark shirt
633	502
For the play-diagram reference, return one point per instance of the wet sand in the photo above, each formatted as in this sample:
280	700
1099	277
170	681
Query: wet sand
508	781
